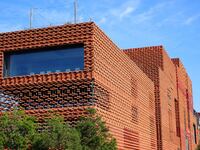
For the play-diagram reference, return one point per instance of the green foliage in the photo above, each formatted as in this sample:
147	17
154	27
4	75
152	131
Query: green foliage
57	135
16	130
19	131
94	133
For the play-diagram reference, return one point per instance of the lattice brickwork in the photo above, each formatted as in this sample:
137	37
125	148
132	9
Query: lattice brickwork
66	93
111	82
157	65
46	96
129	102
131	140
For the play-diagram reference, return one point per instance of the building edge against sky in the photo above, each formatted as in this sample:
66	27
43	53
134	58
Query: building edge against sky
144	96
173	94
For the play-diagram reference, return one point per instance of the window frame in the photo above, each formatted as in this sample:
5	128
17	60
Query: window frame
6	58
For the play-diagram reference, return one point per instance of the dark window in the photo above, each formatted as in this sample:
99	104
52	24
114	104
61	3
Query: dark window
177	118
44	61
188	108
195	135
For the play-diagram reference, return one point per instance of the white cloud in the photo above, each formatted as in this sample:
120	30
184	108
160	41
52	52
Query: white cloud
191	19
126	12
172	19
102	20
151	12
126	9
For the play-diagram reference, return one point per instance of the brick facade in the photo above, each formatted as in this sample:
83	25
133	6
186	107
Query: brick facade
173	96
140	93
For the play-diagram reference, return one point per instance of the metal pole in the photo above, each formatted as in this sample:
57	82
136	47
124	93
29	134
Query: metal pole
31	17
75	11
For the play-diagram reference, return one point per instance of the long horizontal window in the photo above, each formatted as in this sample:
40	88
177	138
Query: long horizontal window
44	61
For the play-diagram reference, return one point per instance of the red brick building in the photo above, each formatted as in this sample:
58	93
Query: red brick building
144	96
176	124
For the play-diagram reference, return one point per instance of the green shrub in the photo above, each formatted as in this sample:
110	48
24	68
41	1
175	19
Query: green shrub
17	130
20	132
94	133
57	135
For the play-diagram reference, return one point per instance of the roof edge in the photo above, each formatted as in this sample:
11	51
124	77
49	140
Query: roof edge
146	47
48	27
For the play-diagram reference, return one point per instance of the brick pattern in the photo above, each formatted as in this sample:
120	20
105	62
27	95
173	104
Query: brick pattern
45	78
187	118
131	116
135	114
8	102
69	94
117	94
149	59
131	140
70	114
66	93
171	83
48	37
133	90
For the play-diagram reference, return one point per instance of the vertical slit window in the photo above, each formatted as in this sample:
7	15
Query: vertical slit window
177	118
195	135
188	108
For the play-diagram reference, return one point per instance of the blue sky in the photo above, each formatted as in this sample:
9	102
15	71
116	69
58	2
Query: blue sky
129	23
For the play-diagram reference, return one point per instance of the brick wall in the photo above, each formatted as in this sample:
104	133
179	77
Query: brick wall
144	96
171	82
131	115
110	82
54	91
187	120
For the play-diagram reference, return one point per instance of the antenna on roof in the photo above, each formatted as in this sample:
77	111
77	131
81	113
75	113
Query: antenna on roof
75	11
30	18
